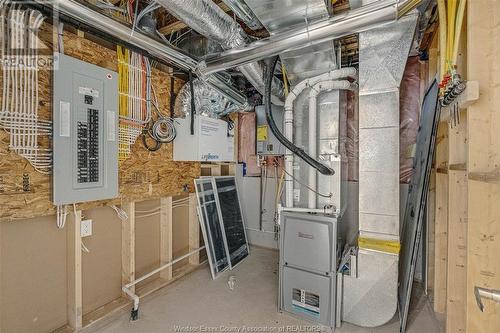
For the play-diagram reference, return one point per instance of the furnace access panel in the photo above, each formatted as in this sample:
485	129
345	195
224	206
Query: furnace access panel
85	132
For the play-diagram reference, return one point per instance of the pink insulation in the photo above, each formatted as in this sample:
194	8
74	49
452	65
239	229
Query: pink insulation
409	117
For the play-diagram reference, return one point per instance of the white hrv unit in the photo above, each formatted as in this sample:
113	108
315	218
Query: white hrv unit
212	141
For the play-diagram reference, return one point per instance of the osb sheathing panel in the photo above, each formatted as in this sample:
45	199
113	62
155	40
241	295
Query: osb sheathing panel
144	175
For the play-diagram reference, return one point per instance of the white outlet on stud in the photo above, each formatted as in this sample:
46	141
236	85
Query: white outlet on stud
86	228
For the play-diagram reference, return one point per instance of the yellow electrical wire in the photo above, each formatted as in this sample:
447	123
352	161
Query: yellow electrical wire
285	79
458	30
442	38
123	55
452	12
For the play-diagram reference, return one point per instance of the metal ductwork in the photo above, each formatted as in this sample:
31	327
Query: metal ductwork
370	299
241	9
79	12
208	102
209	20
354	21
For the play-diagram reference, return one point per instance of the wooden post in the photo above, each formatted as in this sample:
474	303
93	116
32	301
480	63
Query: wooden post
483	235
194	230
457	252
128	245
441	219
430	219
166	241
74	270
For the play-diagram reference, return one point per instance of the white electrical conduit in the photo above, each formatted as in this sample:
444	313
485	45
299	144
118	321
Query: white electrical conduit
335	74
133	296
19	110
315	91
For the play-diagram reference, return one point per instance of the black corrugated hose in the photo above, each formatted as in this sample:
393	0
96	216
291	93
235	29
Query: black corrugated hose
325	170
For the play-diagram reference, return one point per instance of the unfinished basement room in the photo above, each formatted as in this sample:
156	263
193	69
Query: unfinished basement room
252	166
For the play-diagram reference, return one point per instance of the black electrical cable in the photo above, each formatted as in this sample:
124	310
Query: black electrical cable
325	170
172	97
145	134
193	107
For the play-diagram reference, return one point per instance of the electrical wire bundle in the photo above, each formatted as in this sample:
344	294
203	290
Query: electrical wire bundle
20	100
161	130
451	16
183	202
134	77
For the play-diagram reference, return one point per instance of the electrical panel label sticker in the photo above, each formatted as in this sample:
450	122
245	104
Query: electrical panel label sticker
111	126
262	133
64	119
88	92
305	302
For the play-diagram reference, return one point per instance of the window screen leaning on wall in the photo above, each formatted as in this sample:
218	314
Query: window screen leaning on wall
221	222
210	226
232	218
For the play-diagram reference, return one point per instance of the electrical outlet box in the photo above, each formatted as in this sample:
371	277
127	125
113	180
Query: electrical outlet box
85	132
86	228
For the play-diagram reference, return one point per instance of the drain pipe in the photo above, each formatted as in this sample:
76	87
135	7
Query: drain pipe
354	21
79	12
135	298
316	90
333	75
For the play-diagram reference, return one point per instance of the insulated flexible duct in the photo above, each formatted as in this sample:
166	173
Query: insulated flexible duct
208	102
208	19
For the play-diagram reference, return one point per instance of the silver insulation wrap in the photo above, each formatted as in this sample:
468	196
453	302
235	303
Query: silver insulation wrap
208	101
209	20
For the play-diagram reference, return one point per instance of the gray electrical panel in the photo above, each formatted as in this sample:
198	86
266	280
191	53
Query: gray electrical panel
308	265
267	143
85	132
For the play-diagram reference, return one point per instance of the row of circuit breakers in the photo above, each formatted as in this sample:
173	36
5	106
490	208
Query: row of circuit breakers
85	132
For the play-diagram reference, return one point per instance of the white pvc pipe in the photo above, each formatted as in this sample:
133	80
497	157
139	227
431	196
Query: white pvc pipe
133	296
313	151
316	90
335	74
326	210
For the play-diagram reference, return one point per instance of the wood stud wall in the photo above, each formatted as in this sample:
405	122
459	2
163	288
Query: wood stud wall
483	163
144	176
467	164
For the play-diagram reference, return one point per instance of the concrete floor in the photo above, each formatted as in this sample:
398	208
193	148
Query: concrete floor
199	303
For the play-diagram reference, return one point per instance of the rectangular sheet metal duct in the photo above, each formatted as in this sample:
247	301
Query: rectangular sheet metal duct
279	15
371	299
